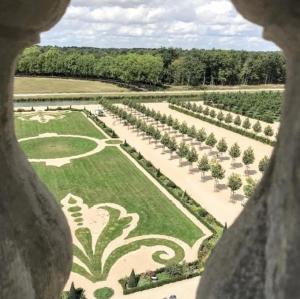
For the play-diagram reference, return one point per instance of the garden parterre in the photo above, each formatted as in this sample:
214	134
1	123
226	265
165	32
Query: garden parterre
106	178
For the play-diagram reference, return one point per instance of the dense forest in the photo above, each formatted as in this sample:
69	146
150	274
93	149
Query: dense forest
156	66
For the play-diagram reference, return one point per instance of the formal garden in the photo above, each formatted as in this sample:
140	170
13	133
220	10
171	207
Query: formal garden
115	208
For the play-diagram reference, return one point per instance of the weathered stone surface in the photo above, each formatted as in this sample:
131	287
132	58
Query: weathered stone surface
258	257
35	241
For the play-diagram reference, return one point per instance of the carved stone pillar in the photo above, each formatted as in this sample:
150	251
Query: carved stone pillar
259	256
35	241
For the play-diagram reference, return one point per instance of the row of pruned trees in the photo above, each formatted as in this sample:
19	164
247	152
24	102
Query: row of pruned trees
190	153
228	118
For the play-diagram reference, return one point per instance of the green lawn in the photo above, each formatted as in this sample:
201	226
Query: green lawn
104	293
56	147
68	123
58	85
109	177
106	177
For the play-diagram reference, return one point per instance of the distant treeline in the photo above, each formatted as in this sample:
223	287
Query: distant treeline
156	66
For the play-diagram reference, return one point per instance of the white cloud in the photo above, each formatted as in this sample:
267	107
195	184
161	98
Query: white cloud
156	23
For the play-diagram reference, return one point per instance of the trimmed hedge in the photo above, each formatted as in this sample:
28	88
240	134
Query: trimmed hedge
187	202
192	206
224	125
101	124
116	99
62	99
157	284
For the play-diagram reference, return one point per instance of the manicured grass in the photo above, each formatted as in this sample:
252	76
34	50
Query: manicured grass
109	177
57	85
68	123
114	142
56	147
104	293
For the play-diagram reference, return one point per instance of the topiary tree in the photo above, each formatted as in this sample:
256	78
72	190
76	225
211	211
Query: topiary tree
165	140
194	107
268	131
76	293
72	292
182	150
151	132
200	109
228	118
217	172
157	117
163	119
211	140
144	127
257	127
176	124
222	146
132	281
157	135
246	124
263	164
203	165
170	121
248	157
237	120
220	116
235	152
206	111
172	145
183	129
212	113
201	135
192	155
234	182
192	132
189	105
249	187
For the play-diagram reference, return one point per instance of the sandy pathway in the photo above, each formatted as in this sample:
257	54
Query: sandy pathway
202	149
96	218
220	204
58	162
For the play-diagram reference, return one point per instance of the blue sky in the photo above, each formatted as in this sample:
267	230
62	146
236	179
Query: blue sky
156	23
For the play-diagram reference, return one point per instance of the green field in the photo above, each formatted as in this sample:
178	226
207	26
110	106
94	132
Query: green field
109	177
64	123
56	147
29	85
101	180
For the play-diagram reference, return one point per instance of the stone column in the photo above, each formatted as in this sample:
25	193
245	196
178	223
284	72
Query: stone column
35	241
259	256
